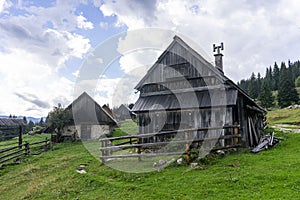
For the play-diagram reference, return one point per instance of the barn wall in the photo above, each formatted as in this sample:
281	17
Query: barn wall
95	130
155	121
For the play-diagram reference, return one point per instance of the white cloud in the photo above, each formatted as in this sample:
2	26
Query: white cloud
255	33
4	4
76	73
27	75
104	25
83	23
34	47
116	91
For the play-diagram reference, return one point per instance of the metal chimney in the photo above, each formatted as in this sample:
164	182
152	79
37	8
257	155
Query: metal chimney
218	56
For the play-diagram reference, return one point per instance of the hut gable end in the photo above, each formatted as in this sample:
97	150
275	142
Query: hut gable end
179	67
87	110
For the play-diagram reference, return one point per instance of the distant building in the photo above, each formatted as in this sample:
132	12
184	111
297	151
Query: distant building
184	91
89	120
123	112
11	127
109	111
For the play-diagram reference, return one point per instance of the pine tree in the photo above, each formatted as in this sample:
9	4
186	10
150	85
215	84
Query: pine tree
253	87
276	76
41	123
287	93
259	82
266	98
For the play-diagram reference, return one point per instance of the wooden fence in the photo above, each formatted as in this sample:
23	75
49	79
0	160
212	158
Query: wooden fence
135	142
23	149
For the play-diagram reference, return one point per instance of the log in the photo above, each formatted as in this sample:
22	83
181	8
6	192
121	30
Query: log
117	148
12	153
168	132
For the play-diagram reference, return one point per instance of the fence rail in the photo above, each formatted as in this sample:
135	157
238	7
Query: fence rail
107	148
21	150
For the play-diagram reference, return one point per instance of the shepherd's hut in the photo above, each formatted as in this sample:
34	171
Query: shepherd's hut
183	91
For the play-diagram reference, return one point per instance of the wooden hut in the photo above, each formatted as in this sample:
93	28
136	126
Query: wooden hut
88	120
109	111
123	112
184	91
11	127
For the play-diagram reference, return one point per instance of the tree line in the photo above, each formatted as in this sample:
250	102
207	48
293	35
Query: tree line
283	79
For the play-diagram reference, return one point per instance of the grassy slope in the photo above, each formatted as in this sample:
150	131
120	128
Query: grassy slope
270	174
284	116
267	175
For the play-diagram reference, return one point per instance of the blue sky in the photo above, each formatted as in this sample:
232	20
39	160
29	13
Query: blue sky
50	51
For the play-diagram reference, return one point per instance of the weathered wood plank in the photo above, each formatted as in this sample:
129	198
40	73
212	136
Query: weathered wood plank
187	141
168	132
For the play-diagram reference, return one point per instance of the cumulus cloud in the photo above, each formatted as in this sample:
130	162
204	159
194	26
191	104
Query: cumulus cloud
35	44
83	23
4	4
255	33
29	82
143	12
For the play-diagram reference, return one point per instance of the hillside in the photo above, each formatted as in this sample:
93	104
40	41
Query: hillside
239	175
284	116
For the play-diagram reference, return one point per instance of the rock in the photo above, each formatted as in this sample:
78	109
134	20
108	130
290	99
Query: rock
220	152
162	162
194	165
81	171
179	161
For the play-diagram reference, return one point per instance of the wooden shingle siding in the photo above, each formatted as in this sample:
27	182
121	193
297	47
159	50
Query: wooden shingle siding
183	90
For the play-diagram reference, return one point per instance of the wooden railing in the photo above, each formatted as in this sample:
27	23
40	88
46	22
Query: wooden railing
107	146
24	149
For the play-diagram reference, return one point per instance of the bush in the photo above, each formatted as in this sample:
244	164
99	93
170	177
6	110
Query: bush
297	81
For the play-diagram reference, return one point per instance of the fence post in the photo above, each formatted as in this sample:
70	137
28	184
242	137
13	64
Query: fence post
20	137
27	148
139	149
102	151
236	132
187	147
46	143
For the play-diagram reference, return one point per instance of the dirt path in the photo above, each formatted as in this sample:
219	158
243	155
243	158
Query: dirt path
287	128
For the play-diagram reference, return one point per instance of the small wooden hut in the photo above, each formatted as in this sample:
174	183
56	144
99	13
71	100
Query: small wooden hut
184	91
89	120
123	112
11	127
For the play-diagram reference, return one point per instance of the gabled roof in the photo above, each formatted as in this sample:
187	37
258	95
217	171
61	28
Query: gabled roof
10	122
84	108
178	40
109	111
217	73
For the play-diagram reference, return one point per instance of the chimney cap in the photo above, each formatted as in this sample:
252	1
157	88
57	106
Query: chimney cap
218	56
218	49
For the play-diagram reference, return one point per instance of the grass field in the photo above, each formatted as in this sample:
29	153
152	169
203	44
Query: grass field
272	174
284	116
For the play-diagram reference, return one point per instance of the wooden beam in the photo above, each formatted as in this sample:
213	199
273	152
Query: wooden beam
190	89
117	148
169	132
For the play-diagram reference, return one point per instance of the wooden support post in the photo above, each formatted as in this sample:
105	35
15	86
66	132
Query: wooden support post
20	137
236	132
139	149
27	149
105	151
187	147
46	143
102	151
